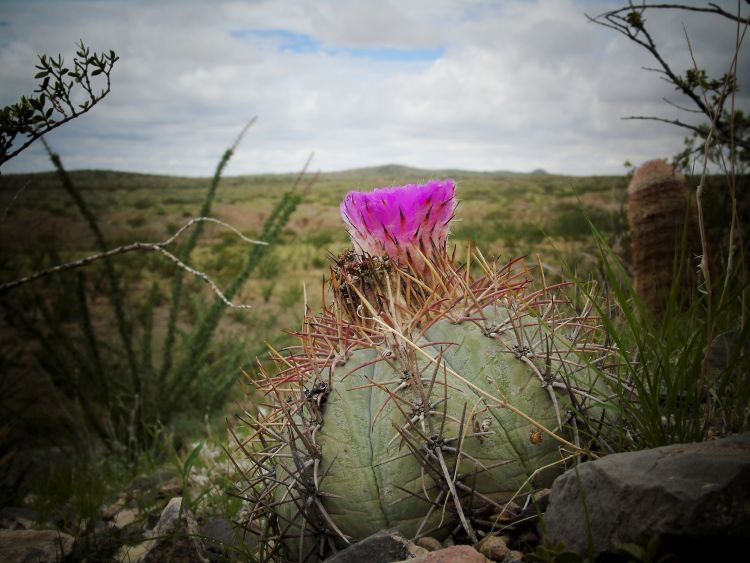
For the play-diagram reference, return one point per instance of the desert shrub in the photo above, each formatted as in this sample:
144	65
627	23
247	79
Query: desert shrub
96	332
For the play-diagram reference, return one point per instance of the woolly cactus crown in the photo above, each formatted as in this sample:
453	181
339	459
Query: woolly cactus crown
653	170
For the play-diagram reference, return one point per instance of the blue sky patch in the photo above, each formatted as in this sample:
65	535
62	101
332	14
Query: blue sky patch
290	41
287	40
392	54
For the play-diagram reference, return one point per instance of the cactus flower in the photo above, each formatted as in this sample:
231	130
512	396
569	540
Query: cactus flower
407	223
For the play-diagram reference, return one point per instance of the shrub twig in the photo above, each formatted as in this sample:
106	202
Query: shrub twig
149	246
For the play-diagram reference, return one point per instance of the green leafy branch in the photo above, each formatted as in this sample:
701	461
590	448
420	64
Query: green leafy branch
63	93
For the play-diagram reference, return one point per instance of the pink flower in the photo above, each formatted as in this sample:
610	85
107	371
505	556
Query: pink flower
404	222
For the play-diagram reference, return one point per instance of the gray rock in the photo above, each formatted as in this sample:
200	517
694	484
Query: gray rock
382	547
18	546
126	517
695	497
17	518
174	538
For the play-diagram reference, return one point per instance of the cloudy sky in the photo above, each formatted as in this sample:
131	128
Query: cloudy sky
472	84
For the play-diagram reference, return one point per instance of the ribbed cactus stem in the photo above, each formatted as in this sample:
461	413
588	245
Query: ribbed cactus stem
658	206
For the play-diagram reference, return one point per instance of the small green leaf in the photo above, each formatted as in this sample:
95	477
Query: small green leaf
632	550
40	74
190	461
96	72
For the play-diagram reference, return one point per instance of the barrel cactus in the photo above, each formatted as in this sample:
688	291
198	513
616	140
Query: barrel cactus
658	208
423	397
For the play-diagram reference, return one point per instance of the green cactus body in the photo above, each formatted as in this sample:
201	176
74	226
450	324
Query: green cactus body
419	408
355	448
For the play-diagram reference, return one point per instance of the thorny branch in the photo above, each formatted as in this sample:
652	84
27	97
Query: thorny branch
629	21
159	247
711	9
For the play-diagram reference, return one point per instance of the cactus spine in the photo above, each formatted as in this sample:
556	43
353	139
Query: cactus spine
422	397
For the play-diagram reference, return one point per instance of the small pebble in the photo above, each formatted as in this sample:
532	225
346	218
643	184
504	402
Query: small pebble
453	554
429	543
126	517
493	547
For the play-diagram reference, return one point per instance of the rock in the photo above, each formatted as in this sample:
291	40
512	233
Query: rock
493	547
453	554
126	517
429	543
514	556
172	539
109	512
17	518
18	546
383	547
695	497
416	551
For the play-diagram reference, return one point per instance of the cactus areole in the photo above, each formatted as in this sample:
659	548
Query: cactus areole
423	397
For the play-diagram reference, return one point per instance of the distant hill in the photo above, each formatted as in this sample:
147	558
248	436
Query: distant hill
95	179
399	170
111	179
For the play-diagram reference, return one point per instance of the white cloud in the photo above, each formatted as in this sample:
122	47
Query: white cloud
493	85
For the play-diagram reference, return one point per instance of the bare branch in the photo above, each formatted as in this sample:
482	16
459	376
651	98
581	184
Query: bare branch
676	122
711	9
678	106
150	246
